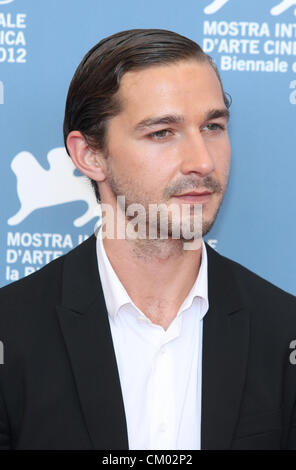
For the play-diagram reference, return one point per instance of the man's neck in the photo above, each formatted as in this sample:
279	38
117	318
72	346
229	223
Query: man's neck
157	274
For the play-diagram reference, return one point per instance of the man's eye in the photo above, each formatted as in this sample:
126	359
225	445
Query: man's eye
214	127
160	134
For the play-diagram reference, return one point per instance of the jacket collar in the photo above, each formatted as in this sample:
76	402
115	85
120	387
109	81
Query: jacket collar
225	351
85	326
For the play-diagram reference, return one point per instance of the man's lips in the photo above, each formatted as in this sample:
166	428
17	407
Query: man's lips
195	196
195	193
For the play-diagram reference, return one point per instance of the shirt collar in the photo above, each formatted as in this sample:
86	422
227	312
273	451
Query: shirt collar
116	295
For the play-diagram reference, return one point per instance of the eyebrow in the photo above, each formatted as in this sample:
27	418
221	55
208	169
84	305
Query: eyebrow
179	119
217	113
166	119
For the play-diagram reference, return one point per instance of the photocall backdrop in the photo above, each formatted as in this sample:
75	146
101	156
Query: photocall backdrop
47	208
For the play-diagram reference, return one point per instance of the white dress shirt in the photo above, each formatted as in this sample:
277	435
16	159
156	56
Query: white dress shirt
160	371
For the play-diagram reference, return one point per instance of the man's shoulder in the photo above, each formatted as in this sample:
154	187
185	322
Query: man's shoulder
40	287
253	287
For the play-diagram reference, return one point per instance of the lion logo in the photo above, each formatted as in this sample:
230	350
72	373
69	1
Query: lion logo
282	7
214	6
278	9
39	188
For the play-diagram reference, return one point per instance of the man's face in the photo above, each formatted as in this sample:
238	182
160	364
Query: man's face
170	138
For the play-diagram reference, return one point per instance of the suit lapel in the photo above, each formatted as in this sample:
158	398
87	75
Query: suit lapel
85	326
225	352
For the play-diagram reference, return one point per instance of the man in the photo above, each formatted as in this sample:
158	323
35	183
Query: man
133	342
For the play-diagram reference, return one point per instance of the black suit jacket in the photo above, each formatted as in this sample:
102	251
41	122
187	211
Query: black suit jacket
59	384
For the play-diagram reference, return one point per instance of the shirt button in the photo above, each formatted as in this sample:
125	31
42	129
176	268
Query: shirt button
162	427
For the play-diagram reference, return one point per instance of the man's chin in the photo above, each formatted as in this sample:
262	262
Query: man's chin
207	226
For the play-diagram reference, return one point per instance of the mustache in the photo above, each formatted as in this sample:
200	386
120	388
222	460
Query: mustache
193	184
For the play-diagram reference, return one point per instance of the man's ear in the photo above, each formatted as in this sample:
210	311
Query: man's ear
88	161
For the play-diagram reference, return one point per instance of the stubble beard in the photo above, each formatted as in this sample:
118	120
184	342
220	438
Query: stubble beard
133	194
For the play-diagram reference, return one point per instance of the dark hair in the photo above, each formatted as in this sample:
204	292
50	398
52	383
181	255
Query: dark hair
91	100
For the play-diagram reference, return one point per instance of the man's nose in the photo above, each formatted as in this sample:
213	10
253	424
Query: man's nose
195	155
